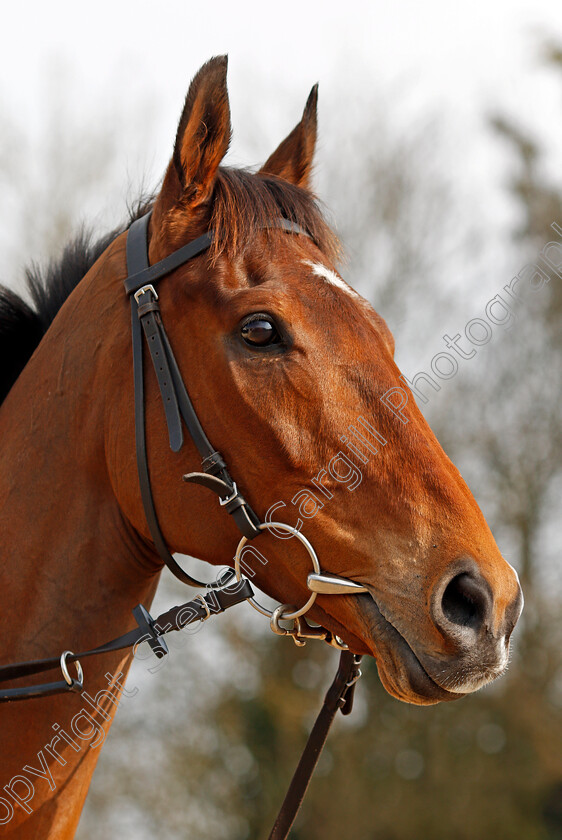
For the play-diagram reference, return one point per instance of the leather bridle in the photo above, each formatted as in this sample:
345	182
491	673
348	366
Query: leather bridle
230	588
146	318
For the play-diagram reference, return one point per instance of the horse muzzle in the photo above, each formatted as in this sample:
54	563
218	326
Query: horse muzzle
459	645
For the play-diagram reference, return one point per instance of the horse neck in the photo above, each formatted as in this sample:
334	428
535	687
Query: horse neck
72	568
64	542
63	534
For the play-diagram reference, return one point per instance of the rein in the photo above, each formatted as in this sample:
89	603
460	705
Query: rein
230	588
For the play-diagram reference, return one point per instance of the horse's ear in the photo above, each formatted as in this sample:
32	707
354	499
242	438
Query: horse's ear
292	160
202	138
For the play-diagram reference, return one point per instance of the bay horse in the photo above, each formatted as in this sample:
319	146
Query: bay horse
281	357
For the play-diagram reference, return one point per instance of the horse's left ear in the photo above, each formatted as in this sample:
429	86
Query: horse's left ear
292	160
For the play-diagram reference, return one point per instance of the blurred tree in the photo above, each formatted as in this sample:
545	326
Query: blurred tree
65	167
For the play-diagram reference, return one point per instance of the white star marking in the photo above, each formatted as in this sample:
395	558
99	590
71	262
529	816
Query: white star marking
330	277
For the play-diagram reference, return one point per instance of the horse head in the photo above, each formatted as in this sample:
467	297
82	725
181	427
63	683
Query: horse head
292	375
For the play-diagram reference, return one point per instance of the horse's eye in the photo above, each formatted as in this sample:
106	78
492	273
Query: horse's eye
259	331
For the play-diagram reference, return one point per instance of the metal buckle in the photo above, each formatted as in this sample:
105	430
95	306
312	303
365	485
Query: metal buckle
74	683
224	502
205	604
143	289
302	631
337	642
354	679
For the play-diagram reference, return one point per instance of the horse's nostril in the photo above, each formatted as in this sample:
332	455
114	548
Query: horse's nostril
464	602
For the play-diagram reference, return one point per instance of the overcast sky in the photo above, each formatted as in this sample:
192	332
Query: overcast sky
458	61
454	56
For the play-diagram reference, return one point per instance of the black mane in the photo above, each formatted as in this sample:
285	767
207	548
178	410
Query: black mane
242	205
22	326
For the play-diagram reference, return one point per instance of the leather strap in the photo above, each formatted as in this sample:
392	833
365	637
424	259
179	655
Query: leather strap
142	459
146	318
150	630
148	313
145	314
143	274
338	696
146	275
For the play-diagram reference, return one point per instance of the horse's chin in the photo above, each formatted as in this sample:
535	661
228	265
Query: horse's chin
400	671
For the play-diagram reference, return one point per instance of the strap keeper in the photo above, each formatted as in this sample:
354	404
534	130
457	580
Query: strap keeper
213	463
146	624
234	502
347	698
145	308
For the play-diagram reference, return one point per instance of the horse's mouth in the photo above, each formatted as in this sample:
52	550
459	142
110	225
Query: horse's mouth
400	670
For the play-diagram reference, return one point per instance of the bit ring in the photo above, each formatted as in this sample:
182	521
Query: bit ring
269	526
